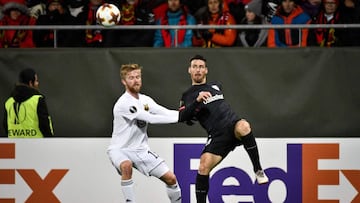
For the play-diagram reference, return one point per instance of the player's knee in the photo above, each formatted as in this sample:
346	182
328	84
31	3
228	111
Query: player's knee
172	180
126	167
169	179
242	128
203	169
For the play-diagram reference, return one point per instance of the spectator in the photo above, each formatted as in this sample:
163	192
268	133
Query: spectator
16	13
326	37
26	114
194	5
176	14
288	13
36	7
269	8
56	14
159	8
92	38
311	7
216	13
76	7
350	14
133	12
237	9
253	37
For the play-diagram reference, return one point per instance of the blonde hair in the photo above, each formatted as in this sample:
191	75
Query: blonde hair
125	68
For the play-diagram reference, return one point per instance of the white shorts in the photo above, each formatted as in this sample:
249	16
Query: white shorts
144	160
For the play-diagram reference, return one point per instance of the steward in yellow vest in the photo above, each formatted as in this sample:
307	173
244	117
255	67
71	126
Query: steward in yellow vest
26	113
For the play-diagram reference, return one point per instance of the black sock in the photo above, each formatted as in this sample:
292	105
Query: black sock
201	188
252	150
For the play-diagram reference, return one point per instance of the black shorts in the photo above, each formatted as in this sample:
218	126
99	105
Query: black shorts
222	142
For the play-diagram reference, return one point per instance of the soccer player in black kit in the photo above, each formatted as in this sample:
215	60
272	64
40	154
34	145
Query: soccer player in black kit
204	102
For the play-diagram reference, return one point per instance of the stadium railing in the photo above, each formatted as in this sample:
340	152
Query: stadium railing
176	27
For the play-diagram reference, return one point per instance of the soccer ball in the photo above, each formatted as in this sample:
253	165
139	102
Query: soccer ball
108	15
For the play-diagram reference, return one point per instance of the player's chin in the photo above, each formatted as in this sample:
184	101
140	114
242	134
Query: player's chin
135	89
198	79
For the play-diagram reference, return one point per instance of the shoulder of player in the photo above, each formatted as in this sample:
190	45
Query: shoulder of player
125	101
186	92
126	97
126	105
215	85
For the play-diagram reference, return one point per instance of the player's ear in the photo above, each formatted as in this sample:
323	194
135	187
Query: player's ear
189	70
123	82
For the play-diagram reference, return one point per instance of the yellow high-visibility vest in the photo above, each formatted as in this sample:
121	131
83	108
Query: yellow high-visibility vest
22	118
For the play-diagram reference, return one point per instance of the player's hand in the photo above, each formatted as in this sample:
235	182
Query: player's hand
203	96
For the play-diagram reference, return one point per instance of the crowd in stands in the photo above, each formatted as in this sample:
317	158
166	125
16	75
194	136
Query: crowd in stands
182	12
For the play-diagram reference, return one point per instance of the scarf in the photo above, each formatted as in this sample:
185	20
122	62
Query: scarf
92	36
166	33
326	37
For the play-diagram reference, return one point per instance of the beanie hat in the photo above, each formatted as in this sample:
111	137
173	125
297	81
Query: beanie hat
27	75
15	4
254	6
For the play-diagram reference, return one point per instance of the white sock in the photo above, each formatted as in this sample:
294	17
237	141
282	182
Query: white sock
128	191
174	193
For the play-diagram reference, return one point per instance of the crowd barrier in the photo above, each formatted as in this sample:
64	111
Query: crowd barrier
177	27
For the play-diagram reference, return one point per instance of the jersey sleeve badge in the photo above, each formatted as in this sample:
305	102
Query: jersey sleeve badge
132	109
146	107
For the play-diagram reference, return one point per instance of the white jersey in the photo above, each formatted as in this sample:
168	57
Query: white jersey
131	118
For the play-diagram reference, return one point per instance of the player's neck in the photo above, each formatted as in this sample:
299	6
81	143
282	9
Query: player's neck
134	94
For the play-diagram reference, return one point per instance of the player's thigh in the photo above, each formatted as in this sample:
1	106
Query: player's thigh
148	161
163	172
208	161
118	158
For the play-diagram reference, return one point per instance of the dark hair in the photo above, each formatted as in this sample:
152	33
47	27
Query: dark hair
207	16
197	57
27	75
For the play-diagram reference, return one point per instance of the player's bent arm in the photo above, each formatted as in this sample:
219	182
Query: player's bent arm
187	112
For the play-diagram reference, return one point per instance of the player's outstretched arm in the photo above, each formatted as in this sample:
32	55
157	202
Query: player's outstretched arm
170	117
188	111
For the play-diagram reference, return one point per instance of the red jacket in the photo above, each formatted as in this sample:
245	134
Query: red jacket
220	38
17	38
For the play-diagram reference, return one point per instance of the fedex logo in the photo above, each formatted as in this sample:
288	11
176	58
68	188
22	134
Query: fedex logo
41	188
303	179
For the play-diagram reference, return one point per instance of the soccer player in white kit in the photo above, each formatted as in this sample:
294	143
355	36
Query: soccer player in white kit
129	143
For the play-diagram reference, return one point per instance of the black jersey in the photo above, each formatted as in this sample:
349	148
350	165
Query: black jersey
214	114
